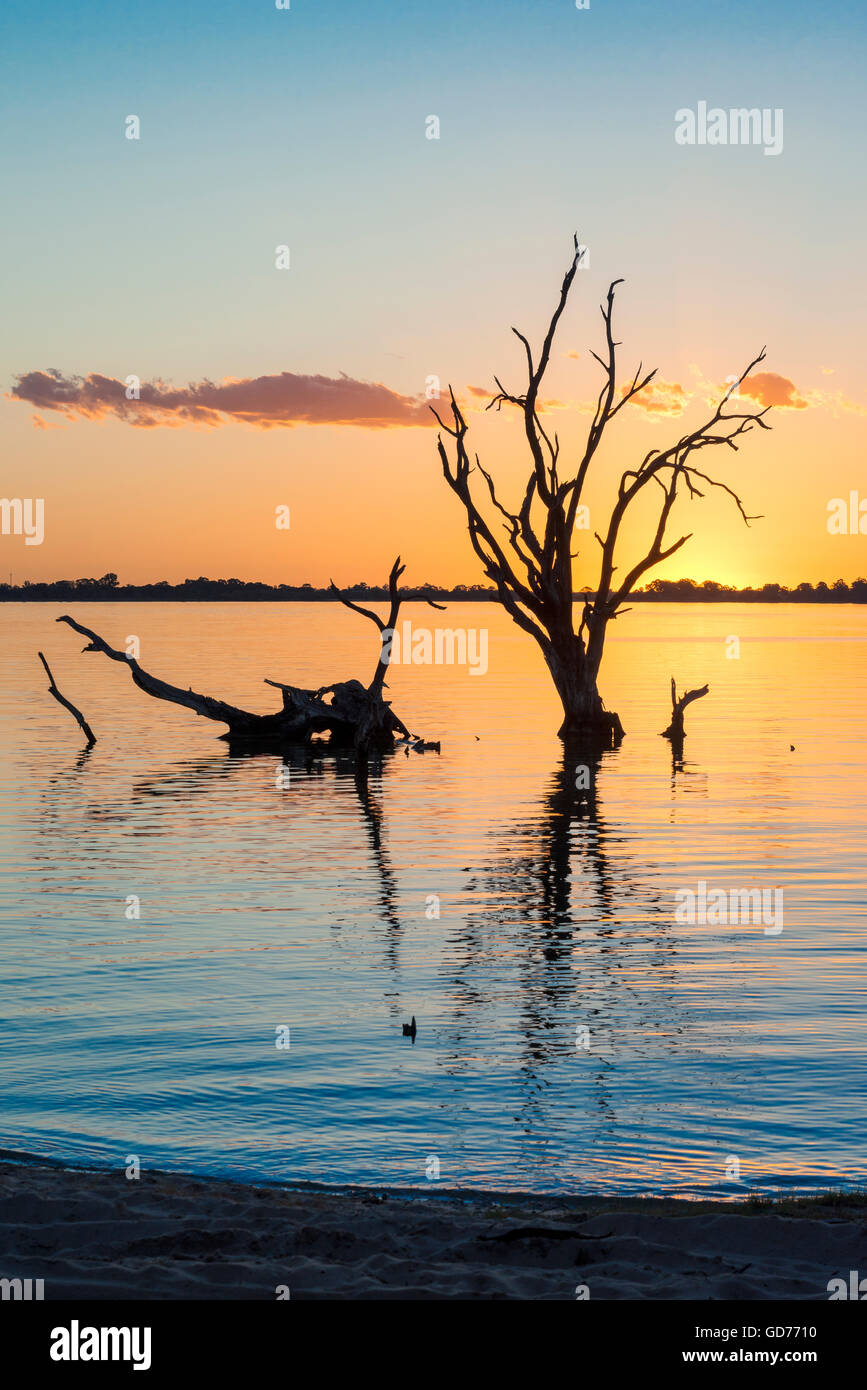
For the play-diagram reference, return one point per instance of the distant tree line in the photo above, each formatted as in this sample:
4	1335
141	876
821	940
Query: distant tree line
687	590
201	590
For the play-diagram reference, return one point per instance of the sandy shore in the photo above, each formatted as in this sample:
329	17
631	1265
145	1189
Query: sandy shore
97	1235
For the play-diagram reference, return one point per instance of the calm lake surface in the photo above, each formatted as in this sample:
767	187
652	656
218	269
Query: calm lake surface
310	907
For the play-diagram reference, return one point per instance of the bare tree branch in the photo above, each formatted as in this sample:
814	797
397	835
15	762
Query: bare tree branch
67	704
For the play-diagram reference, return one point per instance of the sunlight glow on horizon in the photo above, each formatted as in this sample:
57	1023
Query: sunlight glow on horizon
308	128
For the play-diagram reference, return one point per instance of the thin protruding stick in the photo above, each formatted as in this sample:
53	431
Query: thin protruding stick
675	730
62	700
388	624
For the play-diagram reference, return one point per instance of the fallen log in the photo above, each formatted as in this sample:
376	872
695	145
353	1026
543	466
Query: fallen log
354	715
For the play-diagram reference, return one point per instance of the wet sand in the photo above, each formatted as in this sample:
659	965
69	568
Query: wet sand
95	1235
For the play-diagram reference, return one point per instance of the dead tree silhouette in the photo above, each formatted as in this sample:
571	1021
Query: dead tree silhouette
533	567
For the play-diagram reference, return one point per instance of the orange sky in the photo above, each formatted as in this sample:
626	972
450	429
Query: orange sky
411	257
177	500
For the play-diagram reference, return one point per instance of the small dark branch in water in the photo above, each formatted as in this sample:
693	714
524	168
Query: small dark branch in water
675	730
62	700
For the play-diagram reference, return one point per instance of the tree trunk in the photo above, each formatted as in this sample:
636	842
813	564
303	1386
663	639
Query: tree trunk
676	731
585	715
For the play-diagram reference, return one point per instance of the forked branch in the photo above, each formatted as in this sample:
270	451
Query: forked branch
675	730
386	626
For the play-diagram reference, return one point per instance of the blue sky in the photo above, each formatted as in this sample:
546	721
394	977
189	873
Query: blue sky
409	256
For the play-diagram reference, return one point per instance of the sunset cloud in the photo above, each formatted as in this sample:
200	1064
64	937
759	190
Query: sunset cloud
288	399
764	388
770	389
661	397
267	402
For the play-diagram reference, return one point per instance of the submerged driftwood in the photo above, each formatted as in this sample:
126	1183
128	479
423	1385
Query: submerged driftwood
675	730
353	714
67	704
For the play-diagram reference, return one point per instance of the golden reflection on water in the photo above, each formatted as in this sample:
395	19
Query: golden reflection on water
311	906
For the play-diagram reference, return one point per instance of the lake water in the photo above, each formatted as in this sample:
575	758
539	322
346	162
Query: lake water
310	907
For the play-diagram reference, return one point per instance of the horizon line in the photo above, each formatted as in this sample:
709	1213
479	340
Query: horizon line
708	590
